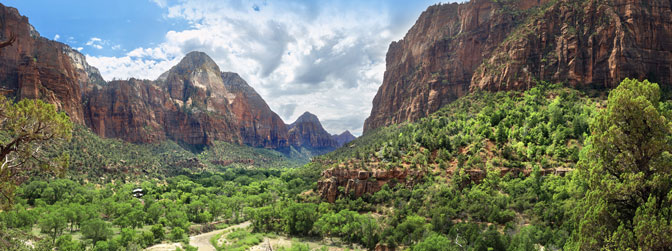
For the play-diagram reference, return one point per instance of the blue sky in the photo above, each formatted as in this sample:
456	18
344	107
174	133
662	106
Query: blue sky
326	57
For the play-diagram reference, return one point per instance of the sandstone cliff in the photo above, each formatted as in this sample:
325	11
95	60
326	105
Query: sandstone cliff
360	182
307	132
503	45
36	67
259	126
194	103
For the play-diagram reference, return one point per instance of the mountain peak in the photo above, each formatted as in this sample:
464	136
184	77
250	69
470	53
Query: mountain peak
343	138
346	133
196	60
307	117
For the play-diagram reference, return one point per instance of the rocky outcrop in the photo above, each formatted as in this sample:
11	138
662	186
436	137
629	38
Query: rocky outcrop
307	131
343	138
343	181
359	182
509	45
36	67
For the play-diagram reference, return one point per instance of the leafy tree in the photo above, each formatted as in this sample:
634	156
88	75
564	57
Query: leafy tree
53	223
628	172
66	243
411	230
435	242
29	129
177	234
299	218
158	231
96	230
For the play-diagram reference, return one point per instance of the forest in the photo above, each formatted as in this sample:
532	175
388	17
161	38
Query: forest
551	167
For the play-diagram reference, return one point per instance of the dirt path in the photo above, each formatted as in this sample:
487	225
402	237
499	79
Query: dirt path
201	241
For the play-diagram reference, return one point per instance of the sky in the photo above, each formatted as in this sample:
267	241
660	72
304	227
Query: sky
325	57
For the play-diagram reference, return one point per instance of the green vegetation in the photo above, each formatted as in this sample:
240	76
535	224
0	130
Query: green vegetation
99	160
546	168
29	130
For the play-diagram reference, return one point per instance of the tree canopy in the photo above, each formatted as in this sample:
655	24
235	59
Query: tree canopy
627	169
28	131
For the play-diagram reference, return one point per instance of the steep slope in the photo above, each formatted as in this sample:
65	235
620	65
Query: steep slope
36	67
480	133
503	45
307	131
258	125
343	138
189	104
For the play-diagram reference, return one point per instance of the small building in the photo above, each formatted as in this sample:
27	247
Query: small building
138	193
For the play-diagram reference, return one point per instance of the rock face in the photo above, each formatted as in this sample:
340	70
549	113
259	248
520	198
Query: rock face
343	138
258	125
194	103
36	67
307	132
510	45
360	182
189	104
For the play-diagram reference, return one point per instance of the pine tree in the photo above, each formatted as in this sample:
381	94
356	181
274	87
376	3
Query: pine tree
627	168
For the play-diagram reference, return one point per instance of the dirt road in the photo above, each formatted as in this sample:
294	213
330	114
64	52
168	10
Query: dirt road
201	241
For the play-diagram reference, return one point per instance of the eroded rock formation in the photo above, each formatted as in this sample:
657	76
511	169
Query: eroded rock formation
194	103
359	182
510	45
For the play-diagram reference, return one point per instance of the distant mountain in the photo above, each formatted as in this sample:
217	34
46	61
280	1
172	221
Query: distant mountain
307	131
343	138
193	103
454	49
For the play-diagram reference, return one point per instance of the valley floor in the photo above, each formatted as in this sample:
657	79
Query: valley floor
202	242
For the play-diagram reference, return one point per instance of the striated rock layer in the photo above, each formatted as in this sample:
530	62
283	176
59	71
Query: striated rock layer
194	103
510	45
36	67
359	182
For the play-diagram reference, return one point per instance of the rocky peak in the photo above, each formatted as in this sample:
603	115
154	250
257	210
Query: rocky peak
307	131
343	138
307	117
197	60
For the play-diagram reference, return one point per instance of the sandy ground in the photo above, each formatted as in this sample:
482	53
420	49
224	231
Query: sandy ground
201	241
272	244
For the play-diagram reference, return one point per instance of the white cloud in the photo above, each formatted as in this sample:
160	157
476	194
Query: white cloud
56	37
328	59
160	3
96	43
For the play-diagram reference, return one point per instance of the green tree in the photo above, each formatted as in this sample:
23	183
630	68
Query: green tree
411	230
158	231
29	130
66	243
435	242
53	223
627	169
96	230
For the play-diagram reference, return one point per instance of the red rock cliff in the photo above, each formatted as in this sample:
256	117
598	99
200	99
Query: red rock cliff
456	48
36	67
193	103
307	131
